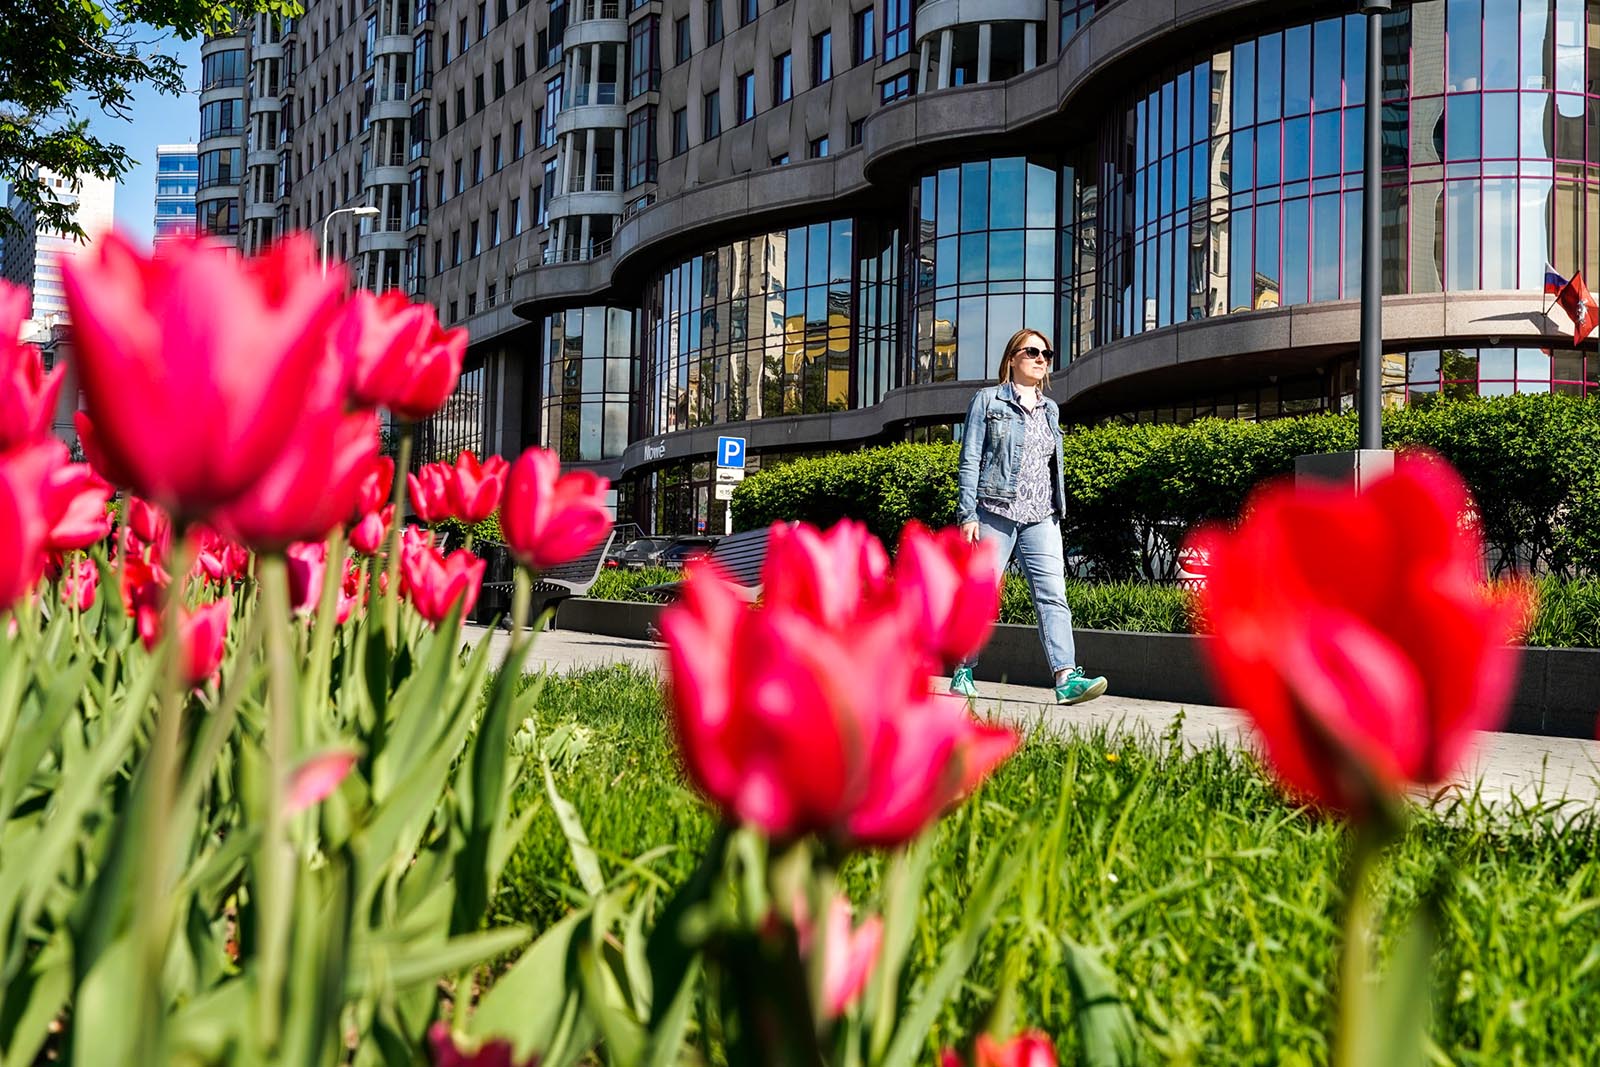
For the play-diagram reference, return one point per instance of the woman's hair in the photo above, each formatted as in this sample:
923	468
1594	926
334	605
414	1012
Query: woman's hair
1011	349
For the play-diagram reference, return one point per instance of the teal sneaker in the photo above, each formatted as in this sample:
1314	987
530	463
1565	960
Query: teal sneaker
961	682
1078	688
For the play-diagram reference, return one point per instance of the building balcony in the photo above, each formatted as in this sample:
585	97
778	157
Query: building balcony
596	31
389	175
591	117
591	202
936	15
266	50
394	44
263	157
264	209
390	111
383	241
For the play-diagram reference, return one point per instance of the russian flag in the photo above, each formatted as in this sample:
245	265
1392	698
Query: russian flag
1553	282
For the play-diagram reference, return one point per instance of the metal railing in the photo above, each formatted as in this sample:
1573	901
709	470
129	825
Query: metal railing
594	250
633	207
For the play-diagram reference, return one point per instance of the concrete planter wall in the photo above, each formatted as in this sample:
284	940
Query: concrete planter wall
1557	690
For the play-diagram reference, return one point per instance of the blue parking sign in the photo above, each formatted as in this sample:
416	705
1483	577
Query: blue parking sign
730	452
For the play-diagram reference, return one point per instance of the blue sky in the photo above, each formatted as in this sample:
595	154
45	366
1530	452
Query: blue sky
155	119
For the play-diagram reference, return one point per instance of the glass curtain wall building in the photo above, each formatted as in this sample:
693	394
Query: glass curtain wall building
177	178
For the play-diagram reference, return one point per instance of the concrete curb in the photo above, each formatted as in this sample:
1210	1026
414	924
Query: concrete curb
1557	689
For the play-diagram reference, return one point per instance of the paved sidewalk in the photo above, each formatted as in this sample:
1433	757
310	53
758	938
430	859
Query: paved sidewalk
1505	766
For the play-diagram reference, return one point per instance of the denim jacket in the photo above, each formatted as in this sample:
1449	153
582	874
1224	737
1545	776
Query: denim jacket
991	450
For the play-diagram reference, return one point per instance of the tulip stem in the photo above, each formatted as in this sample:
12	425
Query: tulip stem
274	887
153	918
391	597
521	600
327	624
1353	1026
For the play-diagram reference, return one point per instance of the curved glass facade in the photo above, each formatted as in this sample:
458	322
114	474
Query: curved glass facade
1235	183
1460	373
985	252
755	328
221	167
221	70
587	355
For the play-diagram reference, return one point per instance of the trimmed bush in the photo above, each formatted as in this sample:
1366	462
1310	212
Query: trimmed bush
1135	492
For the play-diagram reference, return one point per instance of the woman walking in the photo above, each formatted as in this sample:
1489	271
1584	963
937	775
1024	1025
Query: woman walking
1012	494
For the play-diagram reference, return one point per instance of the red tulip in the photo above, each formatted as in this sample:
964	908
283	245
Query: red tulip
315	780
850	951
368	535
549	518
143	585
313	485
950	588
103	465
1029	1049
79	584
219	558
796	726
353	590
195	365
306	563
495	1052
201	632
397	354
430	493
77	499
27	393
830	577
435	583
25	519
1356	633
474	489
377	482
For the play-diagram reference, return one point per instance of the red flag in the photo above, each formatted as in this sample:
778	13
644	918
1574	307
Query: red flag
1579	304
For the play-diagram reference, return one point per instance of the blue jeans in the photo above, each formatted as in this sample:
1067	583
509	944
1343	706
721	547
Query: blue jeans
1038	549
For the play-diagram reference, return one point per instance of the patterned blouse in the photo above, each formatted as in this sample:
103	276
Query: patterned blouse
1035	500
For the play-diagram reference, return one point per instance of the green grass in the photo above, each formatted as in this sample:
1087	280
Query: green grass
1212	899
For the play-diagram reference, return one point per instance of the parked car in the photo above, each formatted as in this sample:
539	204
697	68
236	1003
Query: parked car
640	552
684	549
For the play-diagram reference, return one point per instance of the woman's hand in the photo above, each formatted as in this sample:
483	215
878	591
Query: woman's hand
969	530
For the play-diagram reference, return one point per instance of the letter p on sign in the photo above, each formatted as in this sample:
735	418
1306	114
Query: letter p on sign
730	452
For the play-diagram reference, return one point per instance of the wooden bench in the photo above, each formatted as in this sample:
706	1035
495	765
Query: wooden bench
558	583
740	557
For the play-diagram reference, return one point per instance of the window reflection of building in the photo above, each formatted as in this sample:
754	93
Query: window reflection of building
770	325
587	358
457	426
986	234
1235	183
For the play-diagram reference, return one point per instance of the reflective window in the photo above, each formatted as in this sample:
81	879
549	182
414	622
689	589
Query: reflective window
985	255
1234	184
768	325
588	382
458	426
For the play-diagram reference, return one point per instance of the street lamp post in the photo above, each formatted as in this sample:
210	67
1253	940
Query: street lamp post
1369	461
365	211
1369	410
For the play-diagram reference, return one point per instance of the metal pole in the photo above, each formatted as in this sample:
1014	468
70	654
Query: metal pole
1370	408
325	221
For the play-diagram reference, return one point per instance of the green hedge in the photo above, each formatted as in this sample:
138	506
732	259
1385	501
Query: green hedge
1134	492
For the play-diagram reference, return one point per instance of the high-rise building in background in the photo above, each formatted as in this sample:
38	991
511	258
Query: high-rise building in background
813	223
220	149
32	256
177	177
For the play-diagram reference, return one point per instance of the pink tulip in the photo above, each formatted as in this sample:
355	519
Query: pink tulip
316	778
201	632
148	523
435	583
951	589
495	1052
549	518
27	394
397	354
313	485
79	584
797	727
830	577
25	519
77	499
430	493
851	952
104	465
1028	1049
377	482
368	535
143	585
219	558
195	365
306	563
474	489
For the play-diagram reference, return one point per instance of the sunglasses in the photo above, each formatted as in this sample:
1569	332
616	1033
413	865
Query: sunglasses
1035	353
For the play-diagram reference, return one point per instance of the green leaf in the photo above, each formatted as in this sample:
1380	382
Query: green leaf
583	855
531	1005
403	965
995	879
1105	1025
